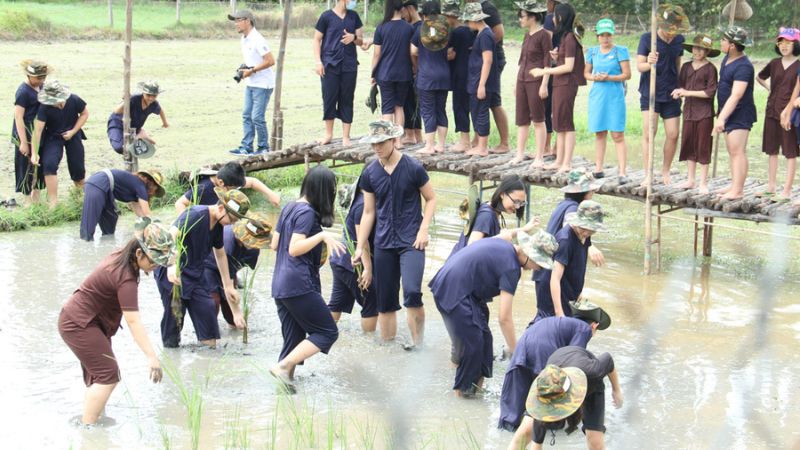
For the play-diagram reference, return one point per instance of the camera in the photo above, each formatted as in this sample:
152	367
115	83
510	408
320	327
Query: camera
240	72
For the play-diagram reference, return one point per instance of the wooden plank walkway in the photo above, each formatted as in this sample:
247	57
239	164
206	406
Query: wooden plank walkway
494	167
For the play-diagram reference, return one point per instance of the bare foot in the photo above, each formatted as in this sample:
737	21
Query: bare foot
537	163
426	151
478	152
686	185
439	148
324	140
346	142
731	196
409	141
645	182
284	378
552	166
499	150
460	147
666	179
703	189
564	169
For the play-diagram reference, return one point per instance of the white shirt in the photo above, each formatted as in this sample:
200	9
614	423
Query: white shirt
254	47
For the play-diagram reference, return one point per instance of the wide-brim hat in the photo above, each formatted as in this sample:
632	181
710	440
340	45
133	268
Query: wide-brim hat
372	99
556	393
737	35
36	69
205	172
142	148
531	6
585	308
589	216
149	87
703	41
434	33
156	177
581	180
473	12
236	203
255	232
381	131
469	207
451	8
540	247
156	240
53	92
673	18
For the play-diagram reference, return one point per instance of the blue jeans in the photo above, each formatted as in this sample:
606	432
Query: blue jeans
253	117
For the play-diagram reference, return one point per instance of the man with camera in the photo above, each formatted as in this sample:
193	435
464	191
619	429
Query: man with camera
260	80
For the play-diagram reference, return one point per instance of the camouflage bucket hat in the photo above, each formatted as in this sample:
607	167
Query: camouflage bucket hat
589	216
36	69
434	33
473	12
235	202
469	207
254	233
149	87
157	178
531	6
156	240
540	247
142	148
346	194
586	309
451	8
703	41
581	180
53	92
672	18
556	393
382	131
737	35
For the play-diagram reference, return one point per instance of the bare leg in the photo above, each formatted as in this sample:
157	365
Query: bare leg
399	119
212	343
523	435
388	323
690	175
416	323
622	152
599	150
522	140
480	149
326	138
671	130
284	369
336	315
95	401
595	440
646	143
548	147
772	173
704	178
569	147
345	134
51	182
429	143
441	134
736	142
463	144
791	169
501	122
559	152
369	324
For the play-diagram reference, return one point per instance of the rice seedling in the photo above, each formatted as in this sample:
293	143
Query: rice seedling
300	421
236	432
166	439
469	439
176	305
367	432
350	243
190	395
248	299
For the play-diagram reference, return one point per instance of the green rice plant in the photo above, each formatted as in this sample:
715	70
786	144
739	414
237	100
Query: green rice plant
190	395
300	420
330	427
166	439
469	439
236	432
367	432
350	243
176	305
33	171
248	299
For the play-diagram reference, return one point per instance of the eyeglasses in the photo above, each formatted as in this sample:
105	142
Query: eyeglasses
518	203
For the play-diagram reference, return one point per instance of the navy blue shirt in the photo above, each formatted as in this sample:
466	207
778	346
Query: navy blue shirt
461	39
299	275
541	339
139	115
57	121
433	69
128	187
596	368
573	256
26	97
398	207
205	193
334	54
666	67
483	42
198	240
555	224
550	26
739	70
493	20
477	273
353	219
239	256
394	37
486	222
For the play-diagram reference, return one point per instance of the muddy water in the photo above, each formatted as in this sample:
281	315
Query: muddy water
685	345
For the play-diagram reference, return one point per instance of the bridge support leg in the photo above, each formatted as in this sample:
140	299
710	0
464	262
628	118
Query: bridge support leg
658	240
708	236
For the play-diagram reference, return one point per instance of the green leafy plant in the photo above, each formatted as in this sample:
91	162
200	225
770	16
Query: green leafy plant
248	299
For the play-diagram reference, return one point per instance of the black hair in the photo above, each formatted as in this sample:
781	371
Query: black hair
431	8
739	47
509	183
795	49
126	258
319	188
232	175
577	196
538	16
389	8
564	15
571	422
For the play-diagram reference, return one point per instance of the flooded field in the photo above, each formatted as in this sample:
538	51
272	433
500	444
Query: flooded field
704	360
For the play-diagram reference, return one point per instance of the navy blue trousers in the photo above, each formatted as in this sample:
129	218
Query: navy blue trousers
461	110
390	266
411	109
98	208
52	151
306	317
393	94
468	327
201	307
516	386
338	89
479	109
433	108
114	129
345	293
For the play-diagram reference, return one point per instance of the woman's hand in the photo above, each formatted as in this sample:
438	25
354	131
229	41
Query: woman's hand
156	374
543	91
335	247
481	94
232	295
652	58
531	225
172	276
719	126
365	280
537	73
24	149
422	239
320	69
554	54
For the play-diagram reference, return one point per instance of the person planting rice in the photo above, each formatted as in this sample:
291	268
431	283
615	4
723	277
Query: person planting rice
392	186
461	39
94	312
465	284
230	176
306	323
540	340
484	77
198	231
141	106
27	180
103	189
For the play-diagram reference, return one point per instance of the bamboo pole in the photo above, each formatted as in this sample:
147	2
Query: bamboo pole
110	14
366	11
648	203
178	11
277	117
131	163
233	6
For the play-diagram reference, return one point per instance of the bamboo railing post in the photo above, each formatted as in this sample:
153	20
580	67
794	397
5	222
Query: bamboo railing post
276	143
648	203
110	14
131	162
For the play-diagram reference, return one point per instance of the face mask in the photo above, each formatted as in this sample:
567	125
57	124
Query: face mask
351	4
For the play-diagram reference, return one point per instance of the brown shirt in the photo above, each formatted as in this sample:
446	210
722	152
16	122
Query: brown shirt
703	79
535	54
103	296
781	85
569	48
